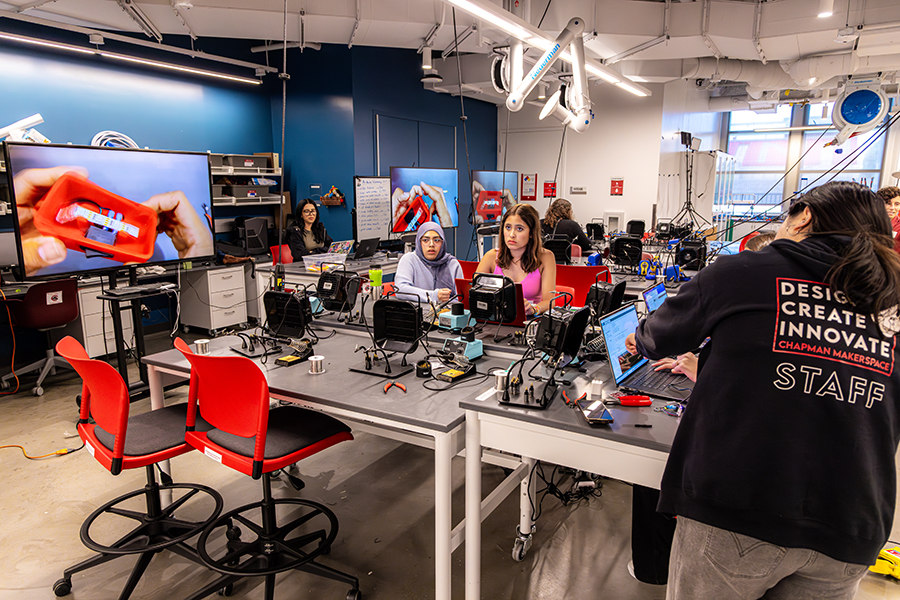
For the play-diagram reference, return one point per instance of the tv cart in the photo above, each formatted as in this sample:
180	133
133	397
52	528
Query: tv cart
136	389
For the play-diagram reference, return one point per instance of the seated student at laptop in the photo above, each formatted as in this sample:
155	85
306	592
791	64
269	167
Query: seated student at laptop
307	235
523	258
430	272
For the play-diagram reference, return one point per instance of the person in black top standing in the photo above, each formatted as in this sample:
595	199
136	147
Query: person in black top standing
307	235
782	471
558	221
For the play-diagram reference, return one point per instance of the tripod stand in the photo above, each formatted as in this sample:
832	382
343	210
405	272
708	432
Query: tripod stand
688	214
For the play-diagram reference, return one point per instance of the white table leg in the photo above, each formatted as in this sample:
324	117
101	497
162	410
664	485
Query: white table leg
473	506
443	455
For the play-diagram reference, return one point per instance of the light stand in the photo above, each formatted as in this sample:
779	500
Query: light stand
688	214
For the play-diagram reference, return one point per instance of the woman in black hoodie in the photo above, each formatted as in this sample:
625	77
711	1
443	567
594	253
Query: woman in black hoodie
782	472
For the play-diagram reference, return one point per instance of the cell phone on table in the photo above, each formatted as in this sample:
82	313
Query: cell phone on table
594	412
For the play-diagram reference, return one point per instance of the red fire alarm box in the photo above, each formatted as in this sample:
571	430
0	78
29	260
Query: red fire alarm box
616	186
549	189
87	218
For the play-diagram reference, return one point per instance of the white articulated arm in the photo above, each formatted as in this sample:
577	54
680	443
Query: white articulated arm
521	89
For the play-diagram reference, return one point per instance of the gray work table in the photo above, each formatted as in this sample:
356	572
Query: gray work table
419	416
561	436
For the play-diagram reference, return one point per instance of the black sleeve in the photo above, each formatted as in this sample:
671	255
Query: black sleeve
581	239
328	239
295	243
678	326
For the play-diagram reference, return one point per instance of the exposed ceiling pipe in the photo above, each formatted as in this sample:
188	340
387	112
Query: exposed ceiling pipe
280	46
355	25
757	75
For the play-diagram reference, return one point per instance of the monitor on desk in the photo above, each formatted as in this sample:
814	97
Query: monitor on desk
85	209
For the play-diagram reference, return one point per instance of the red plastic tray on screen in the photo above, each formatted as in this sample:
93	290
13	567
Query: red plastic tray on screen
70	189
490	205
417	213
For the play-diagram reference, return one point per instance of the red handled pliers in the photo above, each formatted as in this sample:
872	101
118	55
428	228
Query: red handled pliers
575	401
388	385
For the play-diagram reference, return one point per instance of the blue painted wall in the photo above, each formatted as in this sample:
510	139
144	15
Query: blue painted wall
386	82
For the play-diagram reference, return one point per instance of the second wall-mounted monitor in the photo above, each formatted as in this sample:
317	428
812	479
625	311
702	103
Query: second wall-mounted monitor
492	193
422	195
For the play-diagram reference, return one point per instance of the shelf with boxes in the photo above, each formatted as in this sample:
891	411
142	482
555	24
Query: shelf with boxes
244	179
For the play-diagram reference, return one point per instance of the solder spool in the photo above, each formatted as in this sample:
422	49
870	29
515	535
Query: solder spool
316	364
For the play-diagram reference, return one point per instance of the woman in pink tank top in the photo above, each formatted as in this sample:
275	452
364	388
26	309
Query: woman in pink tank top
522	258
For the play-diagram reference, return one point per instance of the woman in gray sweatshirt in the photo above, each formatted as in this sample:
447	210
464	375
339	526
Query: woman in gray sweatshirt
429	273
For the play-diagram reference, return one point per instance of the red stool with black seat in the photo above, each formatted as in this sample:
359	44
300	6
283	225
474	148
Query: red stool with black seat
121	441
252	439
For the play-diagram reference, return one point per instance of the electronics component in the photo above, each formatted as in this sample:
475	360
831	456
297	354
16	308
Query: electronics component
454	319
561	330
465	345
290	359
397	325
691	254
594	412
626	250
287	313
605	297
493	298
316	365
423	369
455	373
888	562
337	290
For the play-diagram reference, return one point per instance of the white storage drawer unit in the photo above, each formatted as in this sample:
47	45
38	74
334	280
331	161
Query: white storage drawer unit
96	325
213	299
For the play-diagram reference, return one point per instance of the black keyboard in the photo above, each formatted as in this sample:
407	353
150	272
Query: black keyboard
658	380
141	288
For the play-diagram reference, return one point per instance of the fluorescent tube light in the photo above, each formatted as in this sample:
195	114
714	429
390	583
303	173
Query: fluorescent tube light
426	58
37	42
124	57
627	86
492	15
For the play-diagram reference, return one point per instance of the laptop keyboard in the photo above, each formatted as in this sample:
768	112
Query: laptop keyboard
658	380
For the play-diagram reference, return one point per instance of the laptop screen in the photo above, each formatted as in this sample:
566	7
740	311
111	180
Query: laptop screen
340	247
655	296
616	327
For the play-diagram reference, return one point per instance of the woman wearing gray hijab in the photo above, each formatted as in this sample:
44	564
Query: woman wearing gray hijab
430	273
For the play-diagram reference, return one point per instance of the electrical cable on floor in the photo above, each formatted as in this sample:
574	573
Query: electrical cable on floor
60	452
12	333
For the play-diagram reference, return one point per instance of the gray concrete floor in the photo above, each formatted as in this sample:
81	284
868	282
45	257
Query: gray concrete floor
381	490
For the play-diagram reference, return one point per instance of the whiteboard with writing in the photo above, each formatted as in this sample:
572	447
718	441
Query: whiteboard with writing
372	198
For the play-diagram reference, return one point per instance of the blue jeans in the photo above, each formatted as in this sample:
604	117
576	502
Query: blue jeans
715	564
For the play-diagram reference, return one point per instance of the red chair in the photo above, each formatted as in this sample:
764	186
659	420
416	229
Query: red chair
564	300
45	306
468	268
575	251
121	441
746	239
249	437
277	252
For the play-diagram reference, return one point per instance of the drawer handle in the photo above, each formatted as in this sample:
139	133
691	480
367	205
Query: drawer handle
228	295
230	312
227	276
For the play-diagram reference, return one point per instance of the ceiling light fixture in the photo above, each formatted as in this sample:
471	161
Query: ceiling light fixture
531	35
826	8
542	91
126	58
426	58
142	20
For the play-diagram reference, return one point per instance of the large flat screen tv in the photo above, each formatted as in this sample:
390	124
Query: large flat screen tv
82	209
493	192
421	195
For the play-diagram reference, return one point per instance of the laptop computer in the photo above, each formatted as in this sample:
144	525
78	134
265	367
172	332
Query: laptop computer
633	372
365	248
655	296
464	285
340	247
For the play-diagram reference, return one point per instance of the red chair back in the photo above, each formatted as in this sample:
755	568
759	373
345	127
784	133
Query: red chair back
104	397
563	300
575	251
48	305
284	251
234	395
581	278
747	238
468	268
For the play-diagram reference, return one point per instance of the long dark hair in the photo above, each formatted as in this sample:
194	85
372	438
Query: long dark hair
868	272
556	212
531	260
318	229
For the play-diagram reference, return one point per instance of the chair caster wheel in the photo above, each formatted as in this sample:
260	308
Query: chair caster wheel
227	590
38	391
354	595
62	587
233	534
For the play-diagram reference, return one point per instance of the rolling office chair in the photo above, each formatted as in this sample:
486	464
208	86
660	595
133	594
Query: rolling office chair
45	306
120	441
559	245
256	441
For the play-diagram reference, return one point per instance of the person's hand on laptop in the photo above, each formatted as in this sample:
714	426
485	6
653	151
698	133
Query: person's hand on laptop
685	364
630	344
